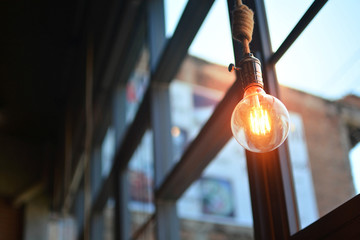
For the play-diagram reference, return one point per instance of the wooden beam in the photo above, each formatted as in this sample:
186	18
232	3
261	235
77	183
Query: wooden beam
341	223
29	194
74	185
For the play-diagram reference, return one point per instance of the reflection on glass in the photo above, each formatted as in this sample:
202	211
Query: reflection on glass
137	85
141	180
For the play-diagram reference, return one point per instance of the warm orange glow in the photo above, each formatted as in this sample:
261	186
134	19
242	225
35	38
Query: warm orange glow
175	131
260	121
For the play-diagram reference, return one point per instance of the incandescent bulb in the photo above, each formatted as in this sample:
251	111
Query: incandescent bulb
260	122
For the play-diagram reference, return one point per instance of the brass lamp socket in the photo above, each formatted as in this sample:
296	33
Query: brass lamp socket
250	72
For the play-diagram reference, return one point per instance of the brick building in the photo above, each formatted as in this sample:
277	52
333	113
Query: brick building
329	129
325	131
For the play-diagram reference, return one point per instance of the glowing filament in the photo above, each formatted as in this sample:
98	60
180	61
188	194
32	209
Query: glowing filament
260	122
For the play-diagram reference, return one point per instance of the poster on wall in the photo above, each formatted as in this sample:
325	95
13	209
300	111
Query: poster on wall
217	197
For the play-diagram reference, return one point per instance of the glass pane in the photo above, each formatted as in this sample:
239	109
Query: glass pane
200	85
102	224
109	216
149	233
355	165
282	16
301	167
173	12
107	152
78	207
320	74
320	64
62	228
141	180
213	42
137	85
219	204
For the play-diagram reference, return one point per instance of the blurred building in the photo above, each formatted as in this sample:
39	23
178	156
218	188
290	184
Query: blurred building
323	181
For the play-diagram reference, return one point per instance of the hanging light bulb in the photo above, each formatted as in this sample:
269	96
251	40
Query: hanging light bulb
259	122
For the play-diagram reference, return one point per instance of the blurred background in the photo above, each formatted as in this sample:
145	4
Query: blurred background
106	109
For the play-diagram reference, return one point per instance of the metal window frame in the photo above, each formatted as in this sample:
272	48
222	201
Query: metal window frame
171	58
272	191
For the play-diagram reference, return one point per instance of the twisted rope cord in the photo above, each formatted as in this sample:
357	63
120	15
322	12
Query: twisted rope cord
243	25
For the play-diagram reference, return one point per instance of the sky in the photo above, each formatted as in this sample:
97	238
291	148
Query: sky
323	61
213	41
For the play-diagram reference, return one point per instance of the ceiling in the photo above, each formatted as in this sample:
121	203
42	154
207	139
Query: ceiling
38	46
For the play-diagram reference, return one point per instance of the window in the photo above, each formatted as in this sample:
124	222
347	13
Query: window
210	187
317	85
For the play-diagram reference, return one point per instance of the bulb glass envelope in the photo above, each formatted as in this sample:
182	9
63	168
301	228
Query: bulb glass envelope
259	122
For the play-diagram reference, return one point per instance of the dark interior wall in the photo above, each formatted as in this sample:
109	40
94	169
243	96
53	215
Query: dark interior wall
41	63
22	164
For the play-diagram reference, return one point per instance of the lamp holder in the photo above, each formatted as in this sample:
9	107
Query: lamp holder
250	71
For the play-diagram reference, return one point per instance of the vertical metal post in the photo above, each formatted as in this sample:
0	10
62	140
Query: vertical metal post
95	171
167	226
97	226
121	192
270	178
167	222
283	157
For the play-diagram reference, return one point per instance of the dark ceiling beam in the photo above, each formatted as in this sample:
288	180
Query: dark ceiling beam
315	7
112	24
29	194
115	54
